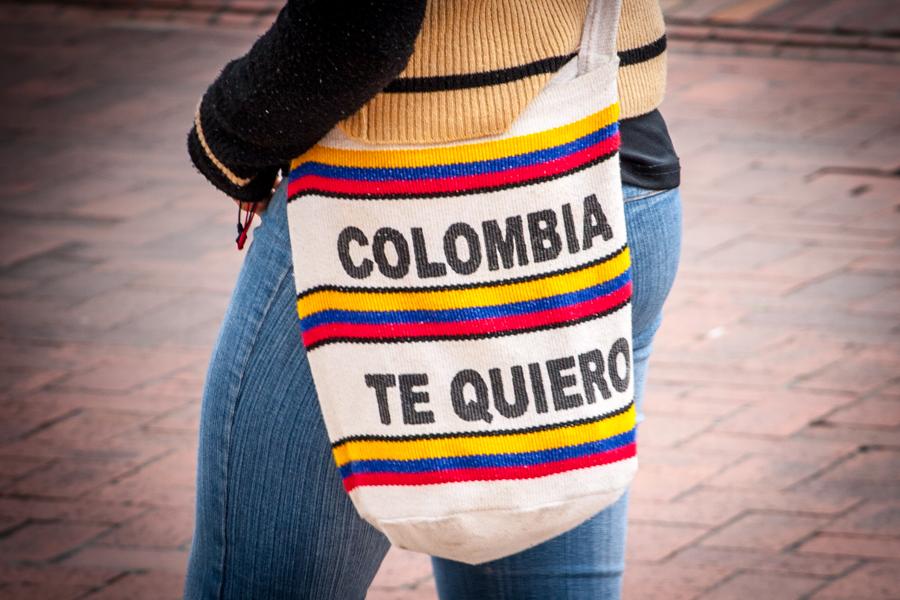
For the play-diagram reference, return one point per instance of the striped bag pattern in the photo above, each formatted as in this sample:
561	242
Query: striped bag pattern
466	314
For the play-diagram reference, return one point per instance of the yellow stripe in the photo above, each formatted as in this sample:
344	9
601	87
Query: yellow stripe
466	298
485	444
464	152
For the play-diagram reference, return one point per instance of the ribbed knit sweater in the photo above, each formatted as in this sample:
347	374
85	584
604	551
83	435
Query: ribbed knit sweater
401	71
477	64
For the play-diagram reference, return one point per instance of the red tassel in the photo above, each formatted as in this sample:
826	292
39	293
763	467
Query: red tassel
244	228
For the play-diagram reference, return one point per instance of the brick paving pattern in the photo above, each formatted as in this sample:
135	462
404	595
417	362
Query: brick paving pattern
771	453
846	17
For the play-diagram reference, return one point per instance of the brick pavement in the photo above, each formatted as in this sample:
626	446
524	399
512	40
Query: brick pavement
770	456
842	17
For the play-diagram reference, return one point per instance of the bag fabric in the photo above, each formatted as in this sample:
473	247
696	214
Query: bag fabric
466	313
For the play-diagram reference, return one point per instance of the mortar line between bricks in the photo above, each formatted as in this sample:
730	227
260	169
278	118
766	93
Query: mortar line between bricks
123	475
865	41
787	512
114	579
862	429
668	524
719	583
109	348
756	26
51	250
854	171
810	594
804	377
715	529
824	422
877	391
47	424
662	378
84	494
16	526
856	536
812	281
821	471
38	469
117	526
707	429
167	413
72	551
35	469
829	578
734	48
129	472
702	483
60	218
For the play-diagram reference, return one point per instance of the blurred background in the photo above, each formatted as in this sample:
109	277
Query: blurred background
771	453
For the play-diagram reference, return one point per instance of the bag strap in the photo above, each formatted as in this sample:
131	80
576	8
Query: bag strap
598	37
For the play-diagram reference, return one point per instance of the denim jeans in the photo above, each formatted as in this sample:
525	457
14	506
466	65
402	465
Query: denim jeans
273	520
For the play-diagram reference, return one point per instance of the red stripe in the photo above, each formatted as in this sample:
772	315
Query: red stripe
491	473
455	184
471	327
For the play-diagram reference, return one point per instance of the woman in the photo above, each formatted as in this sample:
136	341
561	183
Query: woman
273	520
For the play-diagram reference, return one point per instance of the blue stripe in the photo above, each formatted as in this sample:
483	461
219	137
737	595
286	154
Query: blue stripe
515	459
456	169
449	315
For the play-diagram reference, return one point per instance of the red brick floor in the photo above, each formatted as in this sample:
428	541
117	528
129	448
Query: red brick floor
771	452
842	17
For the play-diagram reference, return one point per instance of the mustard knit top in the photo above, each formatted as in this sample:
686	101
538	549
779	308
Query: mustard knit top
477	64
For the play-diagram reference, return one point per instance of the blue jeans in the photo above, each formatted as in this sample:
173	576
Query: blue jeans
273	520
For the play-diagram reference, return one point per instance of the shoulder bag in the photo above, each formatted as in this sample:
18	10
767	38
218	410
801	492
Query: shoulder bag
466	314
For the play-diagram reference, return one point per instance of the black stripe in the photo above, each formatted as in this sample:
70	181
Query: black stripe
443	436
445	83
642	53
460	286
485	190
467	336
411	85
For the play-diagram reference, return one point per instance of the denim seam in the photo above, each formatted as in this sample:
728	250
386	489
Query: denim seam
647	194
229	428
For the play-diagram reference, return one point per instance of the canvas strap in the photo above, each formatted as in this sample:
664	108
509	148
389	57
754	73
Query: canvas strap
598	38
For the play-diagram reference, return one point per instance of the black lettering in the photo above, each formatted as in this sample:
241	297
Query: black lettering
477	409
559	382
542	228
537	387
595	222
410	397
382	237
466	231
503	407
512	244
569	224
380	383
618	381
347	235
424	268
591	366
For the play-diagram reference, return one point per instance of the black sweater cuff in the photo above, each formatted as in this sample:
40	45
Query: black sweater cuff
238	183
318	63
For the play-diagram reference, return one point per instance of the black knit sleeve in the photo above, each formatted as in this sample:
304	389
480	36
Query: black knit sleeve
319	62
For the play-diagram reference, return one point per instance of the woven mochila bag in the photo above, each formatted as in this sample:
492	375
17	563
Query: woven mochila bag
466	314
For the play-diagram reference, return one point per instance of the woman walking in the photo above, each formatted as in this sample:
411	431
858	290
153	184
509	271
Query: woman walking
273	518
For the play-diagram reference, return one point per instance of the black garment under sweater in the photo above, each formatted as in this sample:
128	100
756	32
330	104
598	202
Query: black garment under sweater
320	62
646	153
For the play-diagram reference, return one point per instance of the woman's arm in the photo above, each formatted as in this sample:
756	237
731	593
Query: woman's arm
319	62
